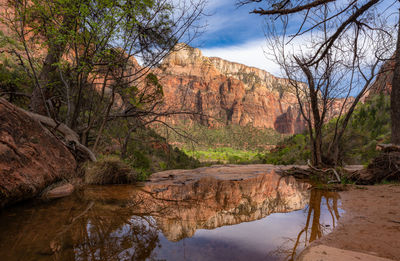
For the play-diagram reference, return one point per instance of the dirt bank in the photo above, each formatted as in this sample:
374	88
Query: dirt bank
370	225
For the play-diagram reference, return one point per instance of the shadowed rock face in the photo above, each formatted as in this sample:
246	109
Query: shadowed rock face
231	93
31	158
383	81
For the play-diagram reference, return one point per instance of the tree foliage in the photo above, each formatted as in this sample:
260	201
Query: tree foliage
81	58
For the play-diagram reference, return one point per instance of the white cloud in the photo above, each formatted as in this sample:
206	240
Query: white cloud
250	54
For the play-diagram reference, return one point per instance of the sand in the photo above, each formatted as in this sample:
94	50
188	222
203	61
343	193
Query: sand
369	227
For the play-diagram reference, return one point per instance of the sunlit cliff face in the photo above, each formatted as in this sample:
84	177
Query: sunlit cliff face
231	92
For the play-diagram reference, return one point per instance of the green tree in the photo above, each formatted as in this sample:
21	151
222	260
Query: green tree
82	55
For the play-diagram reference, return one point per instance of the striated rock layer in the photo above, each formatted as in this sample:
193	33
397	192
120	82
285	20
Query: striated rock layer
230	93
31	158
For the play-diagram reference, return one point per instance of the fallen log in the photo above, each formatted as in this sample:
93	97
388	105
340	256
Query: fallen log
388	147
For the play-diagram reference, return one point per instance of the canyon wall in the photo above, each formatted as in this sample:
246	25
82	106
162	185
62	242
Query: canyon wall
223	92
383	81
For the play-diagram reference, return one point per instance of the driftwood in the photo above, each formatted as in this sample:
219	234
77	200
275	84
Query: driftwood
323	175
326	171
385	167
70	136
388	147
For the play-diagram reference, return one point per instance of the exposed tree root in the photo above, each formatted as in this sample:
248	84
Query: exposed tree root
71	138
324	176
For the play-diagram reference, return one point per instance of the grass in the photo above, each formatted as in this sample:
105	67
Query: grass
390	182
109	170
245	138
225	155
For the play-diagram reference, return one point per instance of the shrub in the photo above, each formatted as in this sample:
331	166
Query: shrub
369	125
109	170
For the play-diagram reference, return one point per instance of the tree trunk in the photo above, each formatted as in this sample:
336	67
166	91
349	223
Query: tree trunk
105	118
37	103
318	148
124	148
395	95
69	135
49	69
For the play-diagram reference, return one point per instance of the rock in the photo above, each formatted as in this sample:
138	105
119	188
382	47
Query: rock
383	81
31	158
59	192
214	197
231	93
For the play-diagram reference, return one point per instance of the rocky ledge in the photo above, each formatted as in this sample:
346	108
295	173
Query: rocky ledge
31	157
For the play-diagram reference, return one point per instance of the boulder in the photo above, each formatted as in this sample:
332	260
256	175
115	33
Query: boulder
59	192
31	157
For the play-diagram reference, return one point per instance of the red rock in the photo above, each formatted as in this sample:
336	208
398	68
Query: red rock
230	93
383	81
31	158
60	192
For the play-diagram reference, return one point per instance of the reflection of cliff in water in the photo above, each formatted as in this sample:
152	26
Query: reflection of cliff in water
127	223
210	203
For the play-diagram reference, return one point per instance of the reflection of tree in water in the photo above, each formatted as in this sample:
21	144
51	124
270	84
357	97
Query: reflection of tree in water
107	232
313	229
122	223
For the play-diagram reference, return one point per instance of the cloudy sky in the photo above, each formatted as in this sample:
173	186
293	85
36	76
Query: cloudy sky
235	35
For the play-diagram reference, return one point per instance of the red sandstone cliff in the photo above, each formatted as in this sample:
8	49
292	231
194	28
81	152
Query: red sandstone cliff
230	93
383	81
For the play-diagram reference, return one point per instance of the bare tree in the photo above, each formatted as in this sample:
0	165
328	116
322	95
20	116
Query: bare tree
337	58
395	94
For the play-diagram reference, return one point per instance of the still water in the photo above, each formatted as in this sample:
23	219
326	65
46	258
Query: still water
262	218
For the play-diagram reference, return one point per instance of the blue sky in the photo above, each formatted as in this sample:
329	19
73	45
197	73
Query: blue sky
229	25
232	33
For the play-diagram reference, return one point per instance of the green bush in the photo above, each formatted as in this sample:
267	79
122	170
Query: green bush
244	138
369	125
225	155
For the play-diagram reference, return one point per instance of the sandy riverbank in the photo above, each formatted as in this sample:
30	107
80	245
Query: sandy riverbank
369	229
